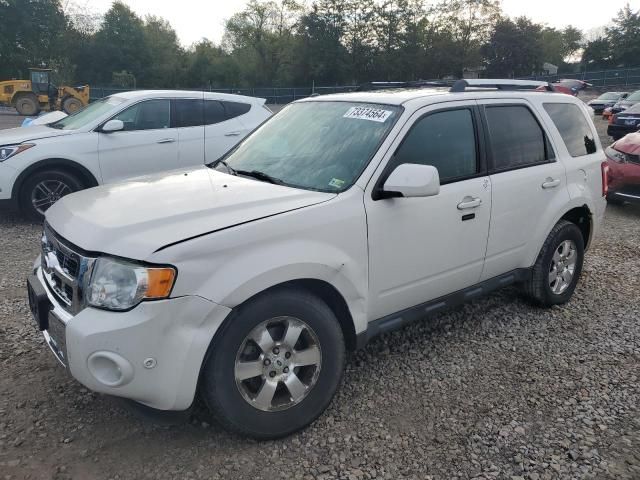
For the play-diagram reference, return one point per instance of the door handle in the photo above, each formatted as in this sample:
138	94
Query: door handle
469	202
232	134
551	183
167	140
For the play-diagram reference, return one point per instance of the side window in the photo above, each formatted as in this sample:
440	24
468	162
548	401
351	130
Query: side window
517	140
235	109
445	140
214	112
573	128
147	115
189	112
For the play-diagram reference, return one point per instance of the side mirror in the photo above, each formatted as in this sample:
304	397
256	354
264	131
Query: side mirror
112	126
412	180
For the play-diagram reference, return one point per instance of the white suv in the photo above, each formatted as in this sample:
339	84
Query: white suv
342	217
119	137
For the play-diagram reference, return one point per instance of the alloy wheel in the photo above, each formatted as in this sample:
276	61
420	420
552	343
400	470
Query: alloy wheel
563	266
278	364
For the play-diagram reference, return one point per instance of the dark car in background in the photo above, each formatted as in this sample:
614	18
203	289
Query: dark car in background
624	122
628	102
623	174
605	100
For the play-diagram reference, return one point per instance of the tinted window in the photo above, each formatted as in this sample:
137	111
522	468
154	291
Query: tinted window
573	128
235	109
189	113
148	115
516	137
445	140
214	112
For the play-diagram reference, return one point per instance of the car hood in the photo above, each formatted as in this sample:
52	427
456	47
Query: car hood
629	144
136	218
24	134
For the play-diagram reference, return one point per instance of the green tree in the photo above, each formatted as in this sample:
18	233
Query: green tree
120	45
31	35
597	54
515	48
470	24
624	36
166	59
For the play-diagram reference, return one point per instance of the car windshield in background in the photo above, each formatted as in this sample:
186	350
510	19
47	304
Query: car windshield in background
634	97
633	109
88	114
321	146
609	96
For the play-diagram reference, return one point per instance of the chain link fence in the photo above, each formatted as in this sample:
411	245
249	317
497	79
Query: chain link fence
602	79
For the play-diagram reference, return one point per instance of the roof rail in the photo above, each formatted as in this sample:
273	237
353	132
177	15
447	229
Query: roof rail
461	85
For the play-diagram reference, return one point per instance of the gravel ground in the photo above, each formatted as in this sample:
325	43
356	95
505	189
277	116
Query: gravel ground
497	389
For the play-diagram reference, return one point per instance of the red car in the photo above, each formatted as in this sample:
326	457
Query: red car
623	173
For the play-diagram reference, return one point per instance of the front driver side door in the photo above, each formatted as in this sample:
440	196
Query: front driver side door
148	143
423	248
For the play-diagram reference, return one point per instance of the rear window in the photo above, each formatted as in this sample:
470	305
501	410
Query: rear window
573	127
517	140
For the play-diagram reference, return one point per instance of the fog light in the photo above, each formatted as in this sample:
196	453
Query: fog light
110	369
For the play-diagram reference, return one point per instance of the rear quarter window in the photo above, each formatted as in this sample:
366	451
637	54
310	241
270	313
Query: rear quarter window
573	127
235	109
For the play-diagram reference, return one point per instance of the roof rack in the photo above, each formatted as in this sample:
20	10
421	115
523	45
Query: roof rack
461	85
368	86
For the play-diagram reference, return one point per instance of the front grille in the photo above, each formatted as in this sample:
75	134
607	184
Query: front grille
64	270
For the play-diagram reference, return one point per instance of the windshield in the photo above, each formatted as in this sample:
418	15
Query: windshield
634	97
609	96
88	114
633	109
321	146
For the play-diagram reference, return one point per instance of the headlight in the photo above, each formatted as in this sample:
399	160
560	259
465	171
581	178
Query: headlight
9	151
120	285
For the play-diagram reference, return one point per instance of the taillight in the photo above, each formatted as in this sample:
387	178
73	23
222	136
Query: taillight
612	119
605	178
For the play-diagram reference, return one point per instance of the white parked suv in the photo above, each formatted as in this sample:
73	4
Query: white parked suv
118	137
344	216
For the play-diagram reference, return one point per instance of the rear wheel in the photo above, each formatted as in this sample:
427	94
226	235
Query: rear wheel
71	105
44	188
557	269
275	365
27	105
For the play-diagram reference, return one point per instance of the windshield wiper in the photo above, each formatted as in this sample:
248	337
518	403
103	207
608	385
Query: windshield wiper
230	169
260	176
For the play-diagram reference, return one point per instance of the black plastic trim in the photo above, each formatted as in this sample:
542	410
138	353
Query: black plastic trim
419	312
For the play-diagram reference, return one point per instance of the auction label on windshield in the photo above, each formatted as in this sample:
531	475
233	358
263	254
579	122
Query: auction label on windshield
368	113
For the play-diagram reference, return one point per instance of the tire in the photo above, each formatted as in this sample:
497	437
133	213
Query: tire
52	184
27	105
71	105
236	403
540	288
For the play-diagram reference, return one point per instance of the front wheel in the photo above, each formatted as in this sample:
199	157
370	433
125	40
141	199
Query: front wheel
275	365
43	189
557	269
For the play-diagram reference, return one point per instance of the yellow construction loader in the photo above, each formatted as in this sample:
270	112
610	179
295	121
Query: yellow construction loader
29	97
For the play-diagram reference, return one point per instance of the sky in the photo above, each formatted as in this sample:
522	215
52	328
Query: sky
195	19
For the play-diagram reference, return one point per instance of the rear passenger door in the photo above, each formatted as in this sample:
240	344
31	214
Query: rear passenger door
222	129
528	185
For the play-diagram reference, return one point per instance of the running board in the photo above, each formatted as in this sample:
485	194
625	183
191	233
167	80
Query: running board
424	310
